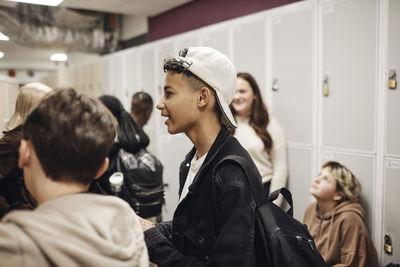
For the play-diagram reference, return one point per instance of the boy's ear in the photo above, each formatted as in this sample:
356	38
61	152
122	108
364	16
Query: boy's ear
203	97
24	152
337	196
103	168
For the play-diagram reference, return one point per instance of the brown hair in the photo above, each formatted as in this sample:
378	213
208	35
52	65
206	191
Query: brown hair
72	135
141	107
347	184
259	117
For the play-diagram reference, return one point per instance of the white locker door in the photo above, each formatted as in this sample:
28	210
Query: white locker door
147	82
106	76
217	37
391	210
249	50
292	74
301	176
392	172
118	77
291	89
186	41
349	37
393	95
132	76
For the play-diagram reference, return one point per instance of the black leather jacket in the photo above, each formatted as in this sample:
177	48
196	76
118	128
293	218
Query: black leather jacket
214	224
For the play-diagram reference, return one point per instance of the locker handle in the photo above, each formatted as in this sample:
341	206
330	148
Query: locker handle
275	86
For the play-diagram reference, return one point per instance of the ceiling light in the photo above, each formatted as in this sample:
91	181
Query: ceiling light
40	2
59	57
4	37
1	54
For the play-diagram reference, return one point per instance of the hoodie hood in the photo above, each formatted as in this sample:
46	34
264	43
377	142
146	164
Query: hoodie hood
345	206
81	230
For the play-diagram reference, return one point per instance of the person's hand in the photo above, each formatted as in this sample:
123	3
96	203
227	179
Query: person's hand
146	225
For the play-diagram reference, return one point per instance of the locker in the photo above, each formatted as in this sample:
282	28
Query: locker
106	75
301	176
349	70
249	50
393	95
292	74
391	209
186	41
118	76
218	37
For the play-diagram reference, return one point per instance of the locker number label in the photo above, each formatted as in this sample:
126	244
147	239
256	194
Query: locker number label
392	164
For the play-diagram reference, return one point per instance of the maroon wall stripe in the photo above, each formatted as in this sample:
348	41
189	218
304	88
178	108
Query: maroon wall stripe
200	13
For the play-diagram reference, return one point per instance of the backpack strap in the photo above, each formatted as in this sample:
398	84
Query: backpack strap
286	194
256	186
253	178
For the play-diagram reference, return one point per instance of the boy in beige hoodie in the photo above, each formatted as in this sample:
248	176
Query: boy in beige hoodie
65	143
336	219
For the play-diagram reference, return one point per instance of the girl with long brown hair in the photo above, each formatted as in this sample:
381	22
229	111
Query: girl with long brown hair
260	133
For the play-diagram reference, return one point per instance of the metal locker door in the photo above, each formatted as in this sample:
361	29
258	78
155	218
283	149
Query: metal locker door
391	212
349	52
249	50
217	37
301	176
292	74
393	95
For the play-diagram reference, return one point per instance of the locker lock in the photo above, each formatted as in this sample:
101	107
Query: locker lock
325	86
387	247
392	82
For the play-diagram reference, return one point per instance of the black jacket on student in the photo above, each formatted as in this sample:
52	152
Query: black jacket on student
206	234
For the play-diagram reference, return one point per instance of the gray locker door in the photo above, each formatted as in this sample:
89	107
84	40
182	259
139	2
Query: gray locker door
132	77
218	37
105	75
249	50
349	34
391	209
363	167
300	180
292	74
393	95
118	77
186	41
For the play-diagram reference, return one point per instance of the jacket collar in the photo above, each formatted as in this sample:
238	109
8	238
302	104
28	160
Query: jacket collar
222	137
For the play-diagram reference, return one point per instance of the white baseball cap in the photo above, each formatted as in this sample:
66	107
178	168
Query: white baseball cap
215	69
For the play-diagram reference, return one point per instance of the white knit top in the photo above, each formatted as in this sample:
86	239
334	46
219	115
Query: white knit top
272	166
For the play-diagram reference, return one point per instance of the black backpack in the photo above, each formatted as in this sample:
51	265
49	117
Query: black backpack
280	239
143	186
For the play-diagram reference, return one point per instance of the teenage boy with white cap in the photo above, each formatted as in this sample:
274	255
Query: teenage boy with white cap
213	224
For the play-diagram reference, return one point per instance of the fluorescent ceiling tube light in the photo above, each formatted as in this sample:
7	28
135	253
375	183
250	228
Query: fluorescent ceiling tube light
40	2
4	37
1	54
59	57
